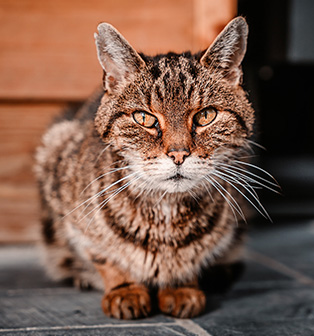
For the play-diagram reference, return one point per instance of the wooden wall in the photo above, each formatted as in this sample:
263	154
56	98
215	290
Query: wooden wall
48	61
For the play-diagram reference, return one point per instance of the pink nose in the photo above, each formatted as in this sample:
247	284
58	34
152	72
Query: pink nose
178	156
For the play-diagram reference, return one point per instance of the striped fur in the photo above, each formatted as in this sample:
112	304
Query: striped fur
118	213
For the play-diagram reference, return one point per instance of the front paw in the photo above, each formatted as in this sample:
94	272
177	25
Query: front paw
184	302
130	302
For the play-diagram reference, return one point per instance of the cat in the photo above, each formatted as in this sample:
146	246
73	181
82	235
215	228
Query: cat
144	186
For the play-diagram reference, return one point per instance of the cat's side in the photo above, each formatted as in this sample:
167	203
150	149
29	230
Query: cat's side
146	190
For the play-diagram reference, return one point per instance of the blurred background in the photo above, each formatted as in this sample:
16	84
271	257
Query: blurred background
48	62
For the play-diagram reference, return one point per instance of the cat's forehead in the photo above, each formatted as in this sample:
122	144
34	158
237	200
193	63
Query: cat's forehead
174	66
174	77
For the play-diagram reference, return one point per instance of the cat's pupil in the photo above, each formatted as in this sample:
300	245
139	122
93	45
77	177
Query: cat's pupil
144	117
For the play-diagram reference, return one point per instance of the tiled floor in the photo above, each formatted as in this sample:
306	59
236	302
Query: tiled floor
274	297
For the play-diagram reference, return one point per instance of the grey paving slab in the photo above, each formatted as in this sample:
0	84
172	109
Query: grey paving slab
21	268
255	272
266	301
153	330
291	245
288	311
56	307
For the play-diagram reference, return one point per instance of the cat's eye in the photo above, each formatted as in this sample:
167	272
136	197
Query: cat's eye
144	119
205	117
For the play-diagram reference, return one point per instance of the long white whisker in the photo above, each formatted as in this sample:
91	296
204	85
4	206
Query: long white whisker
81	204
213	182
160	198
258	168
101	153
208	191
102	204
236	168
102	192
263	213
247	179
103	175
90	199
192	194
232	203
237	179
256	144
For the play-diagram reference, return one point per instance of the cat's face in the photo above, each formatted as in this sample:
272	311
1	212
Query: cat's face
174	117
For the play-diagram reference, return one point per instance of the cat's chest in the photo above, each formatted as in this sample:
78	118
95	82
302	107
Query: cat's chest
167	223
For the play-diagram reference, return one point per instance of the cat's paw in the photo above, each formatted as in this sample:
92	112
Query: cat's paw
129	302
82	285
184	302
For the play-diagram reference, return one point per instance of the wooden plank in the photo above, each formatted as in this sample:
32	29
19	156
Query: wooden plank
48	50
21	128
210	17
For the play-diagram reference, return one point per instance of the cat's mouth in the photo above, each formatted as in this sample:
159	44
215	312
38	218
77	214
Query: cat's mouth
177	177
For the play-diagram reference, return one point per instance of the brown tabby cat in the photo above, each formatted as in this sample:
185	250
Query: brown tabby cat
145	191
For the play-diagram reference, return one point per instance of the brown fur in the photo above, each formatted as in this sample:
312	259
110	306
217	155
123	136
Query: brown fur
127	207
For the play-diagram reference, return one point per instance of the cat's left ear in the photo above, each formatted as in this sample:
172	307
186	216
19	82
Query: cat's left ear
118	59
226	53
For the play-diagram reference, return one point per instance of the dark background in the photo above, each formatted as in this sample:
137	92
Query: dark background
279	76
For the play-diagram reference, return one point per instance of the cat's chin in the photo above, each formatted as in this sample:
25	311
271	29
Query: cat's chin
177	184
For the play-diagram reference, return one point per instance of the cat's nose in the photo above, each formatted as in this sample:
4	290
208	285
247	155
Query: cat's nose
178	155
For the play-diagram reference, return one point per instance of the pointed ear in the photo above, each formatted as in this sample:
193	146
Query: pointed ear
118	59
227	51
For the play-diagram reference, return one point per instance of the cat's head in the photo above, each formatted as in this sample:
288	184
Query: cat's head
174	117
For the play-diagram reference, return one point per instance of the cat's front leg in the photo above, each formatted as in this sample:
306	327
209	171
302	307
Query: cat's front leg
184	302
124	298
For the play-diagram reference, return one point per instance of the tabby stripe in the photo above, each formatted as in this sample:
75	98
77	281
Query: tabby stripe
240	120
166	80
112	119
158	93
155	71
123	285
99	260
144	243
48	230
190	91
192	70
56	181
67	262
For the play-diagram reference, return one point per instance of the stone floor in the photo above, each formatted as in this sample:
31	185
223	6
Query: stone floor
275	296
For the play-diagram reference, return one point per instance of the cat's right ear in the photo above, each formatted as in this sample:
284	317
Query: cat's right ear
118	59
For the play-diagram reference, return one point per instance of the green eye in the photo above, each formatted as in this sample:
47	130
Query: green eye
144	119
205	117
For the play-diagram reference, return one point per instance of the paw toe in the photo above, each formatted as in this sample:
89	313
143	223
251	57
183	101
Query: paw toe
127	303
182	302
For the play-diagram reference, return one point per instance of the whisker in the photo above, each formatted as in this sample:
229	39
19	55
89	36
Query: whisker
209	193
90	199
160	198
264	213
102	204
233	203
258	185
103	175
256	144
237	180
193	195
232	207
102	192
236	169
258	168
102	152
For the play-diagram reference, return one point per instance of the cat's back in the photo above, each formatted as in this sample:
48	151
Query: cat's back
66	133
57	156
